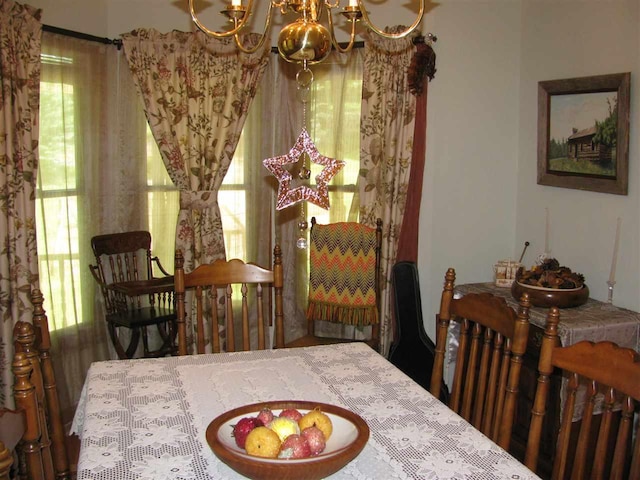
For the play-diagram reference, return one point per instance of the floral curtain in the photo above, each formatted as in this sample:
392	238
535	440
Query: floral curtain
20	41
196	92
386	144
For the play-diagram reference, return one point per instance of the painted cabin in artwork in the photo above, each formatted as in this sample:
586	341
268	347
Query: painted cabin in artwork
582	147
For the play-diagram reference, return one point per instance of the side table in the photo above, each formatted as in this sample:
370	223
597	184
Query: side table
594	321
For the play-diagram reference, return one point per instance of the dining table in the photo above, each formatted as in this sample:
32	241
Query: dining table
147	418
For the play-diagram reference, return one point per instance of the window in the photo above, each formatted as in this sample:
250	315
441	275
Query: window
75	176
59	194
335	127
334	131
162	205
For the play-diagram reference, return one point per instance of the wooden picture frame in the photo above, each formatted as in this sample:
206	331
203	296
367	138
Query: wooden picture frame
580	143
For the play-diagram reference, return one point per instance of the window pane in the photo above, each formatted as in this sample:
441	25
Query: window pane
57	205
336	127
235	174
57	168
163	215
234	222
59	259
163	202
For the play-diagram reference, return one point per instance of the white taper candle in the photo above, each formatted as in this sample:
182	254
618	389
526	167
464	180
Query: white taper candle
616	246
546	230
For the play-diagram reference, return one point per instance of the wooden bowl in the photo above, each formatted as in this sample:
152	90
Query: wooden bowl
350	435
551	297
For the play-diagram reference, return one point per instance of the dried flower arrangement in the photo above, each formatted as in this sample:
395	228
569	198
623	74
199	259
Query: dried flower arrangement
550	274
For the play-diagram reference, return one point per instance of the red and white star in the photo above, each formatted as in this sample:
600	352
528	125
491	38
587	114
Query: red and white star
318	196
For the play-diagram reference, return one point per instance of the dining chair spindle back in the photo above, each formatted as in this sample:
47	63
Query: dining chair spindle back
607	377
43	446
218	288
492	339
135	297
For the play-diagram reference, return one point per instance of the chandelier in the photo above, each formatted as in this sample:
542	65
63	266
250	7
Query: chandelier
304	40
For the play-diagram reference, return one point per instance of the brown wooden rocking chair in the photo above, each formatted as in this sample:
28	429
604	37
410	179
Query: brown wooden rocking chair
134	297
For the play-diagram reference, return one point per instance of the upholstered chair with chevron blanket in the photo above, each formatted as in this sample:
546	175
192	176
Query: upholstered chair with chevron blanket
344	281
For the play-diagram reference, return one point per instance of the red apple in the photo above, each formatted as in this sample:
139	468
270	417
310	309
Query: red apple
242	429
315	438
265	416
295	446
291	413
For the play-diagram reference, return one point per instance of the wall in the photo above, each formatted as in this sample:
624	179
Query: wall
478	117
468	211
582	224
481	201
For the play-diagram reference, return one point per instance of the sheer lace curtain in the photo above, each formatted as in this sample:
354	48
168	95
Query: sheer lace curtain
92	180
273	124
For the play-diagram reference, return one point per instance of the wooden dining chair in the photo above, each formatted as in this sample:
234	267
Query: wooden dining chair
42	448
491	338
12	428
607	445
344	280
218	288
135	295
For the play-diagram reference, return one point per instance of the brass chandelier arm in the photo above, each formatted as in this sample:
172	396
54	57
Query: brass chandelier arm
305	39
239	21
352	36
365	17
263	37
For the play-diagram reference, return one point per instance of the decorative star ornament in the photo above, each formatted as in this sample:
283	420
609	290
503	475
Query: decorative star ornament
288	196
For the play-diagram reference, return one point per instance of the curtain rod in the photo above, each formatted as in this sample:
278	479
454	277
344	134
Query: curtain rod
84	36
118	42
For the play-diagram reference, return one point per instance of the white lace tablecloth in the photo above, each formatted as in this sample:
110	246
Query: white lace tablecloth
595	321
146	419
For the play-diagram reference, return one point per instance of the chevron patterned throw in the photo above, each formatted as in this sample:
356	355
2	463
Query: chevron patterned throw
342	274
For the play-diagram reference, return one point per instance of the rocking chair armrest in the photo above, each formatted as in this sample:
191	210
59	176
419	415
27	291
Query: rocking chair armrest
156	260
95	272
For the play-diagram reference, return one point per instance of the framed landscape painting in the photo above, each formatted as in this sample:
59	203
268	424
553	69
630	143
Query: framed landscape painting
583	133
